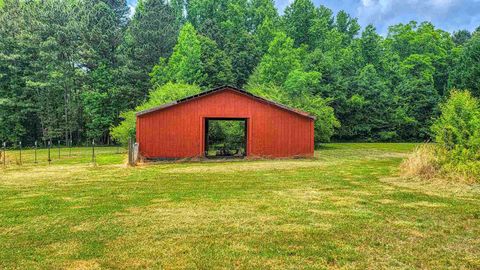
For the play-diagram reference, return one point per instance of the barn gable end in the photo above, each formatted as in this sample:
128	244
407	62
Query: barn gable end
224	88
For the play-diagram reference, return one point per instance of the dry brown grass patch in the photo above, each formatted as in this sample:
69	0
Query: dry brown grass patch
421	163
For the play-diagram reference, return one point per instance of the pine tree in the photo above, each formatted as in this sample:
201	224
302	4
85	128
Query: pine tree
151	34
16	104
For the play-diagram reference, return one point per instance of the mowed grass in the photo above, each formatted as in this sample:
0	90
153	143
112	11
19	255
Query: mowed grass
345	209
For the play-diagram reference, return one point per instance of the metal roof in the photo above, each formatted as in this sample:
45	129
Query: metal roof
222	88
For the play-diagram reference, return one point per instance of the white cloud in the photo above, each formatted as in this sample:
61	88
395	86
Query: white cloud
447	14
132	5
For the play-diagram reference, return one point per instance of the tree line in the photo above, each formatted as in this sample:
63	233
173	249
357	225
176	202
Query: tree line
77	69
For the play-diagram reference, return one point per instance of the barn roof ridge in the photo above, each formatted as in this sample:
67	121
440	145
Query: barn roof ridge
221	88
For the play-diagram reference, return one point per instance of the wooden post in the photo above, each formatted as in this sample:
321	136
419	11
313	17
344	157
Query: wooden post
58	144
93	151
36	144
49	146
20	145
4	154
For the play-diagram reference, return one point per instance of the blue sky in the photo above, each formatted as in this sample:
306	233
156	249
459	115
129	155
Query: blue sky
449	15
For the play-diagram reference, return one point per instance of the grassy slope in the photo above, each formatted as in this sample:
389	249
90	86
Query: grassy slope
343	210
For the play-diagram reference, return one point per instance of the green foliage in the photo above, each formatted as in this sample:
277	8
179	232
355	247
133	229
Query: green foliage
417	95
347	25
97	113
281	59
370	111
151	34
68	68
466	74
299	82
298	87
216	65
371	46
260	11
457	132
185	64
101	33
461	37
196	60
229	25
426	41
161	95
299	18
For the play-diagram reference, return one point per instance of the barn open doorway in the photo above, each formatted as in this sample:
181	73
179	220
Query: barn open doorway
225	137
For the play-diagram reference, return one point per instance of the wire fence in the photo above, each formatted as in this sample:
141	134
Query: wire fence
58	152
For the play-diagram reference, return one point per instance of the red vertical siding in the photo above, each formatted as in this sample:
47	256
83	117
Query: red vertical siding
178	131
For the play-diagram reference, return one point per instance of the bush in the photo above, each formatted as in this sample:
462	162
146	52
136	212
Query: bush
457	133
430	161
457	130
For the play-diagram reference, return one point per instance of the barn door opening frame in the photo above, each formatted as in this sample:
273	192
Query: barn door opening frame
247	130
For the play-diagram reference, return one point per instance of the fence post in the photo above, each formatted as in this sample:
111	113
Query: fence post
93	151
49	146
20	145
130	151
58	144
70	153
4	154
36	144
86	146
135	147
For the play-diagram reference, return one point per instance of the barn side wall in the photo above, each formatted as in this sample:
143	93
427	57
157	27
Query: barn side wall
178	131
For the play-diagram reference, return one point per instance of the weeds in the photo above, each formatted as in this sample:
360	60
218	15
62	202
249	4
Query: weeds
421	163
430	161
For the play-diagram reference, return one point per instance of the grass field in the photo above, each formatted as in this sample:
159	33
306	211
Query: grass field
345	209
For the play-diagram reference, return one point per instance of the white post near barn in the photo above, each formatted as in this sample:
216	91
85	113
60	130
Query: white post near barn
132	152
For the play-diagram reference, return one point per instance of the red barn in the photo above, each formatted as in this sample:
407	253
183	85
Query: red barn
178	129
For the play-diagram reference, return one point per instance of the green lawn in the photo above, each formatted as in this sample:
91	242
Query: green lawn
347	209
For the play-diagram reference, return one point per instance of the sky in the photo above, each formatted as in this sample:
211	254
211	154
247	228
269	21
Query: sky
449	15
